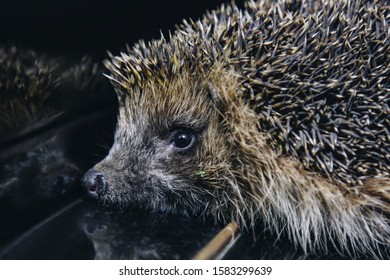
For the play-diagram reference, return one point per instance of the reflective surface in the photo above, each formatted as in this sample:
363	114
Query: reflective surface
137	234
81	230
84	231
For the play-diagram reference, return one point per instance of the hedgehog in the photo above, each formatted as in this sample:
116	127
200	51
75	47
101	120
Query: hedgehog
276	114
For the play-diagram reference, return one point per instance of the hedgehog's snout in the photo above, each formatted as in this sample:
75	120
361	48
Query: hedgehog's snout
95	183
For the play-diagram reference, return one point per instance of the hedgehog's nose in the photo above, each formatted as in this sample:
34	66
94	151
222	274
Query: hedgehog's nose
95	183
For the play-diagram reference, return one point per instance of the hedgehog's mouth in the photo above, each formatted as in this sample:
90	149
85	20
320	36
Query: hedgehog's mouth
167	201
115	201
136	197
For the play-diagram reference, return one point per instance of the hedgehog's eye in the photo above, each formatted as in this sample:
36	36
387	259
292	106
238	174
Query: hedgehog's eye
182	139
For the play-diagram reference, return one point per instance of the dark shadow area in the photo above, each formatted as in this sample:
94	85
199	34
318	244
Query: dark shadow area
92	27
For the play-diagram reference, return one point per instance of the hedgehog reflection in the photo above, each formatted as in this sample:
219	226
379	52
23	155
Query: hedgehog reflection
40	174
35	92
140	235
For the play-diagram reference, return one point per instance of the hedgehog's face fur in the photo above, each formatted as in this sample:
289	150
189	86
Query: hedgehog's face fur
170	151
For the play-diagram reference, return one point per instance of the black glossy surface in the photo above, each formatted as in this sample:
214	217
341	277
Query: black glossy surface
56	237
84	231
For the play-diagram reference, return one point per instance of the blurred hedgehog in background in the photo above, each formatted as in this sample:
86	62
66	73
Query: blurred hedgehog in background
26	83
277	114
36	87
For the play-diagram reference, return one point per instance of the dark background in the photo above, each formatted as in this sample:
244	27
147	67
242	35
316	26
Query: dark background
92	27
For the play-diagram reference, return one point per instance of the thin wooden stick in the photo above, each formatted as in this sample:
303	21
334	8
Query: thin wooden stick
220	244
